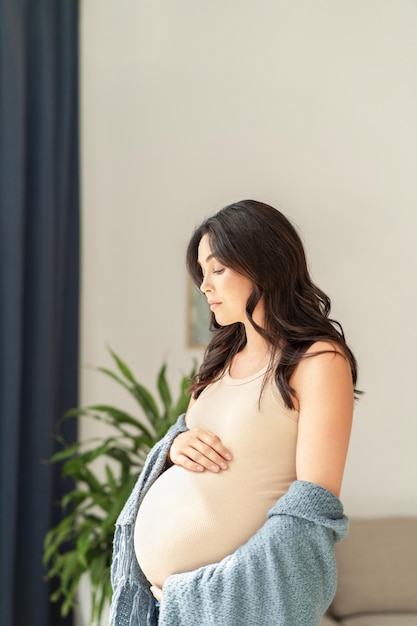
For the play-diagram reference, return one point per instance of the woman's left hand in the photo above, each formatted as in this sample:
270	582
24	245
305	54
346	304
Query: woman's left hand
156	592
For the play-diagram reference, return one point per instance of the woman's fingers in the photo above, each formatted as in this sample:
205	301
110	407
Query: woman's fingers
198	450
156	592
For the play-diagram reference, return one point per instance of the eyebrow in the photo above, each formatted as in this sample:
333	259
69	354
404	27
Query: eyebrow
210	256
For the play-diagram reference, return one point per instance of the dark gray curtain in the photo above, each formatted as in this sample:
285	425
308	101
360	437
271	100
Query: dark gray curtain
39	275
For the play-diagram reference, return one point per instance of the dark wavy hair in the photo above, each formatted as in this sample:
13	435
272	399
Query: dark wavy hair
259	242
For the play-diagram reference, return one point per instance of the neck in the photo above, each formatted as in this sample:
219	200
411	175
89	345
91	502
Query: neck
253	357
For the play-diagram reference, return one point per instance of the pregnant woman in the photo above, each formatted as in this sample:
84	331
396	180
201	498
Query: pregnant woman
234	518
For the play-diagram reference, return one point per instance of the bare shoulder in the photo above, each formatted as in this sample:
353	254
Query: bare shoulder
324	356
321	348
324	368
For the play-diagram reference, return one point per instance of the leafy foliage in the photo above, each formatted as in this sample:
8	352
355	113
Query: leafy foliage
82	541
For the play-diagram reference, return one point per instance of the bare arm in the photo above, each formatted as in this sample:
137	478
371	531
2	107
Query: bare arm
324	395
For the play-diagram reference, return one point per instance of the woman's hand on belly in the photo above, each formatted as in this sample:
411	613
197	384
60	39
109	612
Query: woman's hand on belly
198	449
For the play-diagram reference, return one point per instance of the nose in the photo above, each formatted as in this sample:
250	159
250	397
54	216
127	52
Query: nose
205	286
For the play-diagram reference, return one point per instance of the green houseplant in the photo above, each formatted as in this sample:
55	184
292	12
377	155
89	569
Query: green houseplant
82	542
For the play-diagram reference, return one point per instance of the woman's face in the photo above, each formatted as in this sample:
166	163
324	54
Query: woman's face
226	290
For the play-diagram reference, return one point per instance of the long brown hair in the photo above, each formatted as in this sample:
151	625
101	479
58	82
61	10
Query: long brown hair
259	242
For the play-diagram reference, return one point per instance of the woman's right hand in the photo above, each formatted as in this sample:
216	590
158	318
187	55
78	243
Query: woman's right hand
198	449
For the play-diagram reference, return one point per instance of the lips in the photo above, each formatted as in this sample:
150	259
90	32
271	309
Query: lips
213	304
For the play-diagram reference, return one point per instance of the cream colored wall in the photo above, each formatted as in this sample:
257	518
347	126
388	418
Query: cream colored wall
309	106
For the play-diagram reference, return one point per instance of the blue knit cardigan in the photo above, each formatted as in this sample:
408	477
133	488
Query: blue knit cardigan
285	575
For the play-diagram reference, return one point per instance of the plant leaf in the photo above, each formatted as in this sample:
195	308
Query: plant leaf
124	369
163	389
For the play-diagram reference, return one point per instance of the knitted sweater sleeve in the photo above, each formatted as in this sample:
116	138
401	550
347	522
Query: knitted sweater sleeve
284	575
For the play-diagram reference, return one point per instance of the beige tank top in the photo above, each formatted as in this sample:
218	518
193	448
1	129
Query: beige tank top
189	519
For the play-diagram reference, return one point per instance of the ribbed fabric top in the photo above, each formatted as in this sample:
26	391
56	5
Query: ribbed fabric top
189	519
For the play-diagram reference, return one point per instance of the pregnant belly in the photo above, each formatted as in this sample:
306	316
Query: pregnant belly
188	519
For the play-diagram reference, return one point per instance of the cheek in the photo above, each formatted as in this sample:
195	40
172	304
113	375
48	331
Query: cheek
237	289
245	291
241	297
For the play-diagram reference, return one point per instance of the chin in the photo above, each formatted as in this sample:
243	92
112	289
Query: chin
223	322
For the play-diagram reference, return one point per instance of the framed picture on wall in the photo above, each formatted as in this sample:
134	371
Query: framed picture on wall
198	318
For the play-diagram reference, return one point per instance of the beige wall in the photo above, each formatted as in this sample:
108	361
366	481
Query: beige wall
309	106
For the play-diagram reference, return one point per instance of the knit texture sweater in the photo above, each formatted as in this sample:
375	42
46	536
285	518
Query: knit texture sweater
285	575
